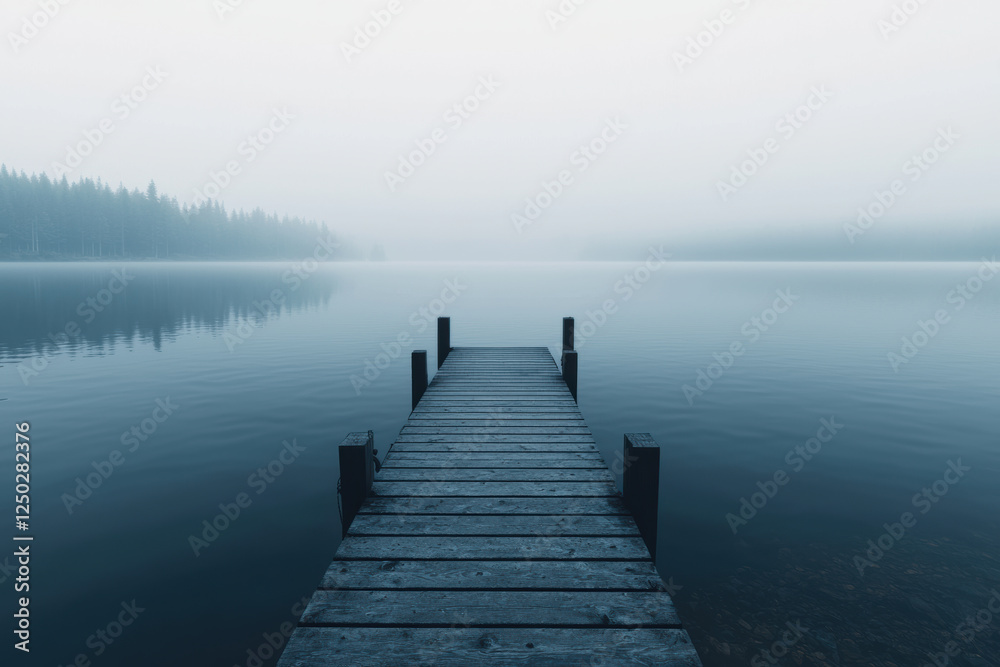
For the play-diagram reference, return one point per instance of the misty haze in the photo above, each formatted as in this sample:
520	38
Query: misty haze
500	333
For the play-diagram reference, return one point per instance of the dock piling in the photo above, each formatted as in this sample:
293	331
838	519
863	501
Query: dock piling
569	370
568	335
357	473
418	374
641	484
444	339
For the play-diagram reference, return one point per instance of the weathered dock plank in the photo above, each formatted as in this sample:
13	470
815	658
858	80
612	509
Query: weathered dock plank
458	646
494	534
382	525
510	489
496	505
489	575
499	609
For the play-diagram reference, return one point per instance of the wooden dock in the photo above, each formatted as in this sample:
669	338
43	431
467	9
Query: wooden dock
493	535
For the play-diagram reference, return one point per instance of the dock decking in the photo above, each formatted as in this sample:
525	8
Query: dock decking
494	535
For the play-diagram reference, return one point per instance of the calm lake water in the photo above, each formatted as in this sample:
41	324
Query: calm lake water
240	377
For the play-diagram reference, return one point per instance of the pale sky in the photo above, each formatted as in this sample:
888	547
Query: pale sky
679	128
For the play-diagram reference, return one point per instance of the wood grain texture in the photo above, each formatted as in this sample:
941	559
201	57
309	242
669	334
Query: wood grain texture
455	474
508	447
492	505
512	526
540	547
494	535
513	489
488	575
460	647
553	609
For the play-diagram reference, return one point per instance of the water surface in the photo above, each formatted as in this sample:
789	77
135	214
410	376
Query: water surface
257	355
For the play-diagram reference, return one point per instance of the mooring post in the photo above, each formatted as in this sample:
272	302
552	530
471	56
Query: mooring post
641	484
418	374
357	472
444	339
569	366
567	333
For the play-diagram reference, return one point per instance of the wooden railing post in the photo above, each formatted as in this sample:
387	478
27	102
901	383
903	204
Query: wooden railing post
357	472
418	374
569	368
444	339
641	484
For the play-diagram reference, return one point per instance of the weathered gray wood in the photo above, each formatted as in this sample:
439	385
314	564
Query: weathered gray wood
552	609
641	483
553	414
570	365
418	375
493	460
495	422
493	437
443	339
357	471
566	575
513	489
541	547
494	534
495	505
494	447
456	474
509	647
550	411
495	430
514	526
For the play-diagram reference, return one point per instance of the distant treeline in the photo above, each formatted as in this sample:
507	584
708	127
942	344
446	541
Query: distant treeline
45	219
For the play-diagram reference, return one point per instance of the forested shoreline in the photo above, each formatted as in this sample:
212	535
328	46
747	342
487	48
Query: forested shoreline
42	219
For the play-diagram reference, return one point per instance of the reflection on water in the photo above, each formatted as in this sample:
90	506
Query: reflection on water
171	334
54	307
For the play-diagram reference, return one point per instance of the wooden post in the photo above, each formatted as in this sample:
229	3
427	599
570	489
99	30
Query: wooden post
641	484
567	333
569	366
418	374
444	339
357	472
